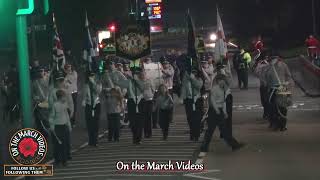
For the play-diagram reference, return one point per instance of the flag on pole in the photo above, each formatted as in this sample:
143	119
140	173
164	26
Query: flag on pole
192	52
57	50
221	45
88	51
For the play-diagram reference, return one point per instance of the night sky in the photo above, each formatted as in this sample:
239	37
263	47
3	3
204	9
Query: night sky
285	19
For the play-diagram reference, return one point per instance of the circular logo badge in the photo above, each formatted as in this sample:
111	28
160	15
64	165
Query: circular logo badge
28	147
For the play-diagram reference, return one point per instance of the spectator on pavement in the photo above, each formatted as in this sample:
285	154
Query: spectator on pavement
313	46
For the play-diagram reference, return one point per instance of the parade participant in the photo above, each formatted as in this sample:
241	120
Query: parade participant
115	108
135	108
59	84
260	73
61	127
40	95
91	102
207	72
126	70
113	78
244	62
119	67
72	87
279	81
168	73
313	45
191	93
146	102
164	103
217	115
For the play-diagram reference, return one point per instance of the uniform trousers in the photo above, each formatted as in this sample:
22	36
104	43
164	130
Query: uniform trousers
92	120
193	112
136	120
62	149
213	121
114	126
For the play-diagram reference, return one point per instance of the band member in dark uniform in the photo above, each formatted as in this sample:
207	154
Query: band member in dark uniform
191	95
91	102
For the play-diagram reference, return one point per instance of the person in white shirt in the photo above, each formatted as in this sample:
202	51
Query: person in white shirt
164	103
218	115
71	80
115	108
146	102
91	102
60	125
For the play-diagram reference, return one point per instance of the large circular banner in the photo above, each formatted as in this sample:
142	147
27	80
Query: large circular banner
133	39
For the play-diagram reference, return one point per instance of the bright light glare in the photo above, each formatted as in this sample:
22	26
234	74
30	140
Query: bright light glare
213	37
231	44
212	45
103	35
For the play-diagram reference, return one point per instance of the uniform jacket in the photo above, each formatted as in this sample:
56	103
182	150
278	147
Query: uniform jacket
168	76
283	74
40	90
72	82
191	86
53	99
96	90
59	115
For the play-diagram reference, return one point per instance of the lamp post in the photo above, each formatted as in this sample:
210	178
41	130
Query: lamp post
23	59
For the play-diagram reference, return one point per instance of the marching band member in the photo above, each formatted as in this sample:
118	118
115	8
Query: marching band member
191	93
72	87
91	102
115	108
40	95
60	125
164	103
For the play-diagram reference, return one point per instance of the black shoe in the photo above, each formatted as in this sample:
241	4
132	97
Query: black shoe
283	129
238	147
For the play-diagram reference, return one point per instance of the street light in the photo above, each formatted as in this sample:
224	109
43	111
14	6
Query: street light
213	37
112	28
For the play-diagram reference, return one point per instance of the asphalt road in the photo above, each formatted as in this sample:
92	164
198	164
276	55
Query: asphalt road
293	154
